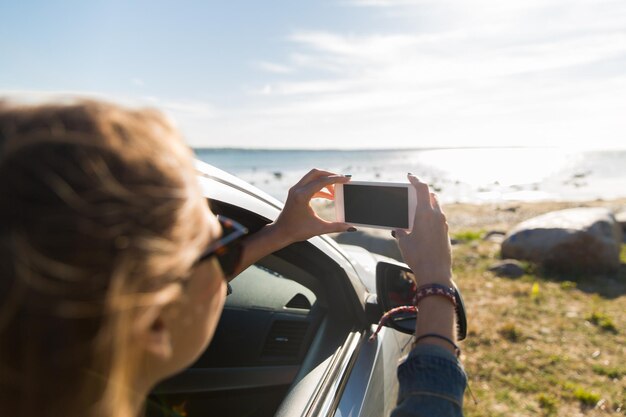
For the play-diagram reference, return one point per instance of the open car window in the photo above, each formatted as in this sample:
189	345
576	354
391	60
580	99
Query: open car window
267	320
288	316
259	287
260	342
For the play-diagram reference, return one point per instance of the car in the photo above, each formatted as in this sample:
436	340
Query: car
294	336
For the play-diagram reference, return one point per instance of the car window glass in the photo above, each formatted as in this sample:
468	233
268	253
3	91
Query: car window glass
261	288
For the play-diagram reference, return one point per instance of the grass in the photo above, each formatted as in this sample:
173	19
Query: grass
610	372
602	321
468	235
510	332
541	345
548	403
568	285
586	397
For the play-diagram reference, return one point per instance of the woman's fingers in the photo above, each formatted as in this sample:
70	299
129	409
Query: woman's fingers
313	174
434	202
330	189
317	185
323	194
399	233
422	191
333	227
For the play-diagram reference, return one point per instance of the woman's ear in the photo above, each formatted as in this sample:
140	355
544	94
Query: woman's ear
155	337
152	329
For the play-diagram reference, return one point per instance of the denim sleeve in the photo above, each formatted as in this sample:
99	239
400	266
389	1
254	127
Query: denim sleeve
432	383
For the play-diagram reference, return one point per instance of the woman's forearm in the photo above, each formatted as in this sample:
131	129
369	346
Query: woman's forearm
436	315
297	221
260	244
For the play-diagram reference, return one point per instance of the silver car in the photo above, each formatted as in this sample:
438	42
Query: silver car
293	339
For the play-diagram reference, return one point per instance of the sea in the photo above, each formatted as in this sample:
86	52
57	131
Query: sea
474	175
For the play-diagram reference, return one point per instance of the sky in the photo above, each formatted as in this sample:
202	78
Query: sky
335	74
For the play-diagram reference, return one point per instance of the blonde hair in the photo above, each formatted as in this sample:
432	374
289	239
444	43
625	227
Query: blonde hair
100	214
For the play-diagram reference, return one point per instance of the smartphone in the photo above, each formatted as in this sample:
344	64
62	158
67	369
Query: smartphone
382	205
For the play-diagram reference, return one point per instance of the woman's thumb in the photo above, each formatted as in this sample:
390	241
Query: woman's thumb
399	233
343	227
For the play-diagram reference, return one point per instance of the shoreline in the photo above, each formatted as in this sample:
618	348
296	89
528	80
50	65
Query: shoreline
500	216
458	175
506	215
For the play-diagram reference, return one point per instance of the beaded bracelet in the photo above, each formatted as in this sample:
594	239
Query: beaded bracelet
457	350
435	289
388	315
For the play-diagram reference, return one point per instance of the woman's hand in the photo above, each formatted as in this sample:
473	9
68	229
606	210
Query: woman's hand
298	221
426	249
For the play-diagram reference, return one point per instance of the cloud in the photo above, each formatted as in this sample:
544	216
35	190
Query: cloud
431	73
385	3
186	108
479	72
193	117
273	67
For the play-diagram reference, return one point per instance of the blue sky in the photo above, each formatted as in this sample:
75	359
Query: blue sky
336	74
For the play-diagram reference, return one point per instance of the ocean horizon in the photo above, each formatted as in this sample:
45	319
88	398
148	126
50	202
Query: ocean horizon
467	174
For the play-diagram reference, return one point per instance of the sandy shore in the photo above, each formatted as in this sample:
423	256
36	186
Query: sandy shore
492	216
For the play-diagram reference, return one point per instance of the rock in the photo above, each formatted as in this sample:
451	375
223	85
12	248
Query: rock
372	241
620	216
572	240
508	268
496	236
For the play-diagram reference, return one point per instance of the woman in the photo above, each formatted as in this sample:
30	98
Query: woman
106	283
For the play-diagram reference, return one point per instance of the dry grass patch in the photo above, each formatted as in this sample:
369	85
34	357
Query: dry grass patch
540	345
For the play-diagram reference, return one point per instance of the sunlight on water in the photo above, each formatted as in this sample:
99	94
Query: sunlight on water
464	174
481	167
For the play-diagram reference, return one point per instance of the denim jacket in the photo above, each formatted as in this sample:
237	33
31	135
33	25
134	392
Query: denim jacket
432	383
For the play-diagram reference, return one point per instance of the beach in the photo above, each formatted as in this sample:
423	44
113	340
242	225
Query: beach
500	216
541	344
458	175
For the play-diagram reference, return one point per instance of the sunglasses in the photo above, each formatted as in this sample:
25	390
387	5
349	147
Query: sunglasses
228	248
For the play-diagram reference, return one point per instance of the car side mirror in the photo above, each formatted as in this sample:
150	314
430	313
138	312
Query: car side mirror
396	286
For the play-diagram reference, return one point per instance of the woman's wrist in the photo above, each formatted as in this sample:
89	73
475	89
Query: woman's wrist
433	277
276	236
257	245
437	315
439	281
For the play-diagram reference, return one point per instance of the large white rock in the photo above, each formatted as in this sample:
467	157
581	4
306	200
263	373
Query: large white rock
573	240
621	218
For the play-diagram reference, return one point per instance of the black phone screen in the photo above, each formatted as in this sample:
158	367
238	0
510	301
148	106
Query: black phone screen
376	205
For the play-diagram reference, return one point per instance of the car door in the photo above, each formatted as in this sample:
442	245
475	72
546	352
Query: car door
293	337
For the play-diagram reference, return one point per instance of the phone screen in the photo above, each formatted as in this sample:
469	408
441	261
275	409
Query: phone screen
376	205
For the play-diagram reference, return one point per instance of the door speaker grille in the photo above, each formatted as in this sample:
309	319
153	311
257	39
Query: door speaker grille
284	339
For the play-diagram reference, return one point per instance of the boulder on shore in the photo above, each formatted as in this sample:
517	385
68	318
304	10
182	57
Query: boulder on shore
572	240
621	219
495	236
508	268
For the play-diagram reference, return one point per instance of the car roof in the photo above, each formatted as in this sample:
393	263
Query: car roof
227	185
